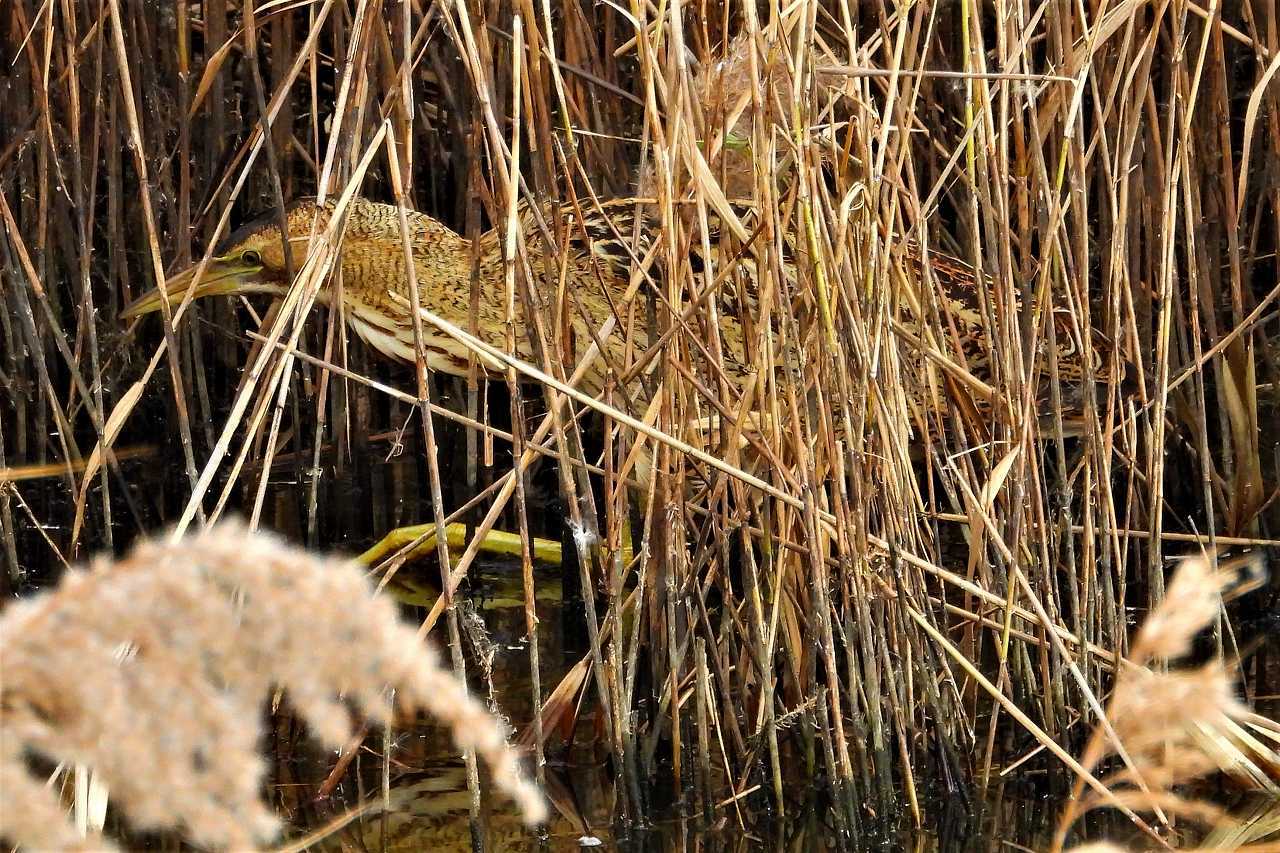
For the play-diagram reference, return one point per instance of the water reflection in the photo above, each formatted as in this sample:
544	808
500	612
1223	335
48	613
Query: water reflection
430	812
428	806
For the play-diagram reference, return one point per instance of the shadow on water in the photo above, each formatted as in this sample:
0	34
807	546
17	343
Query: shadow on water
347	501
429	800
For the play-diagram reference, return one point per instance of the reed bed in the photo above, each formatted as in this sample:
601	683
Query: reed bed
868	566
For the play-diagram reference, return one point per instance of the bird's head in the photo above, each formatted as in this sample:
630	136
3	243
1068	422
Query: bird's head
249	261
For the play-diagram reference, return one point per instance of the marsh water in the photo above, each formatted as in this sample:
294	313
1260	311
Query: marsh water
429	800
427	795
344	504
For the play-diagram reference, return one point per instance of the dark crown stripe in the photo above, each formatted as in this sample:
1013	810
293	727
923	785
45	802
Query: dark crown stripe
264	222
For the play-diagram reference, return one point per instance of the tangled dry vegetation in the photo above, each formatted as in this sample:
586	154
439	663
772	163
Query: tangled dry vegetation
1164	729
920	560
154	670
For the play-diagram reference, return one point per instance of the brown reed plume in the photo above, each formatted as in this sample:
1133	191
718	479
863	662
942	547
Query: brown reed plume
153	670
1177	725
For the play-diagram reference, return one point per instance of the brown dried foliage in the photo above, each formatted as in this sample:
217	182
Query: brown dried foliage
1176	725
1111	163
154	670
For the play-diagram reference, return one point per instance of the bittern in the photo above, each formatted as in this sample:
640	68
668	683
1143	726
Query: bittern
601	248
376	292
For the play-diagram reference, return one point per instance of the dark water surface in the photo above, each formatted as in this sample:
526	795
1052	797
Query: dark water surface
429	800
382	484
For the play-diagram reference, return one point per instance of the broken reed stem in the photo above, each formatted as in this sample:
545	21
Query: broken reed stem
1064	154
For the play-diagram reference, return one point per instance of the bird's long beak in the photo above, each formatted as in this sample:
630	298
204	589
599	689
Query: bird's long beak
222	276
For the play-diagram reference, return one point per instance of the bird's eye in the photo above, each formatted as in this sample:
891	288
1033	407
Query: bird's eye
252	258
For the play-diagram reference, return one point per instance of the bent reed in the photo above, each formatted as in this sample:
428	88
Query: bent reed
886	538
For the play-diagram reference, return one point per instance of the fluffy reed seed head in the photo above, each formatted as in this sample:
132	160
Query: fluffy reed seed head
1180	725
154	669
1192	600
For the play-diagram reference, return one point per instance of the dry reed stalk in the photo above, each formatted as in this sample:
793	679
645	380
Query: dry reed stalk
1105	165
190	638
